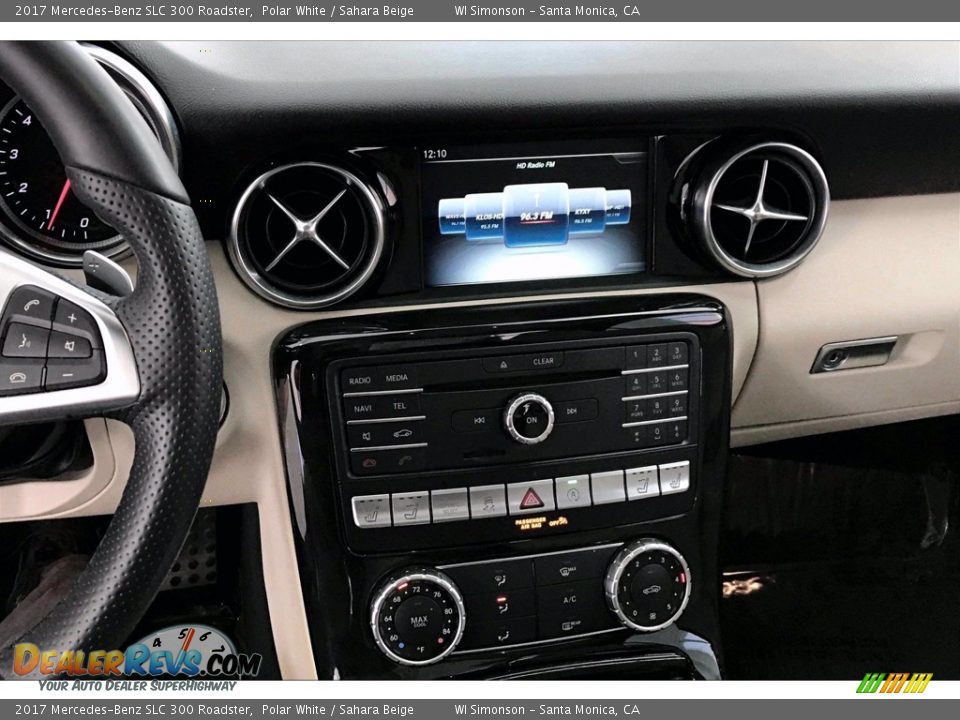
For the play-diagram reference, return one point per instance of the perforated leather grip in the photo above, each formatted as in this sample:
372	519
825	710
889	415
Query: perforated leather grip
173	323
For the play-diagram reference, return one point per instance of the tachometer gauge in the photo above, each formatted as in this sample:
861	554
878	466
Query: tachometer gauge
35	193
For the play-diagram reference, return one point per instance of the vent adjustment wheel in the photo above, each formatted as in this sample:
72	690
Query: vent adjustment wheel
307	235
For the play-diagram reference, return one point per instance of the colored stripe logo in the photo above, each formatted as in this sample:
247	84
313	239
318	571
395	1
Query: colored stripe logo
894	683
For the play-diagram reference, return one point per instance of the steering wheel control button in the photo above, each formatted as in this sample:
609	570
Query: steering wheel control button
25	341
647	585
530	497
488	501
371	511
30	302
19	376
642	483
411	508
675	477
529	418
418	617
62	345
63	374
607	487
573	491
451	504
74	319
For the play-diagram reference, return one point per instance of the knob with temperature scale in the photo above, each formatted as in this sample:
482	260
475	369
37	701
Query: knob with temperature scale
647	585
417	616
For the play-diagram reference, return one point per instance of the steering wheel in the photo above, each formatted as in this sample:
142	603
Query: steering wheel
161	345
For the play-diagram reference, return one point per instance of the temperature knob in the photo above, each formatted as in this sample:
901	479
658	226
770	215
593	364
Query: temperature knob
647	585
529	418
417	617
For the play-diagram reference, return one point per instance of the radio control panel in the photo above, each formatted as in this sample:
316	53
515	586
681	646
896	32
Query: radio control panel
471	446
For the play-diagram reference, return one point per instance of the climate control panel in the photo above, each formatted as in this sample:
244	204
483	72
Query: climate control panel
421	615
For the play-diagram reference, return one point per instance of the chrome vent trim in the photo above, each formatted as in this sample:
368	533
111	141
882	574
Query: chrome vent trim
763	210
304	229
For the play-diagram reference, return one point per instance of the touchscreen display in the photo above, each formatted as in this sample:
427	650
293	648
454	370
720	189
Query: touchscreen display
493	214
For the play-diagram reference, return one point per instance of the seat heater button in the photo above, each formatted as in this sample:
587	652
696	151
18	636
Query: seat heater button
675	477
26	341
530	497
607	487
371	511
573	491
20	375
30	302
488	501
411	508
63	345
450	505
63	374
642	483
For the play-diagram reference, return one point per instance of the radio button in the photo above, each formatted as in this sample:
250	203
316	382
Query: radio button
572	411
358	380
488	501
675	477
642	483
493	577
567	567
607	487
387	433
530	497
448	505
573	491
411	508
475	420
371	511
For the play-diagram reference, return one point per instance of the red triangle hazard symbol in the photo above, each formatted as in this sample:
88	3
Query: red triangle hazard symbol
530	500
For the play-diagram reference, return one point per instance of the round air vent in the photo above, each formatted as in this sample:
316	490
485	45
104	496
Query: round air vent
307	235
760	209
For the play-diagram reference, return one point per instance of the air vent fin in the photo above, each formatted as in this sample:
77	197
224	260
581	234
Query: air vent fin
763	209
307	235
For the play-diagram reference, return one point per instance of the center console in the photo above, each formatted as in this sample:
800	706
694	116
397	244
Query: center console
500	491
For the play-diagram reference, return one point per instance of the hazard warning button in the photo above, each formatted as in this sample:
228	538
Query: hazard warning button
530	497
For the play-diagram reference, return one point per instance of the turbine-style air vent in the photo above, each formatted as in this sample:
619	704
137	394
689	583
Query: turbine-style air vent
762	209
307	235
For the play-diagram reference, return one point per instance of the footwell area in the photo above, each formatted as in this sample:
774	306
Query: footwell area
840	556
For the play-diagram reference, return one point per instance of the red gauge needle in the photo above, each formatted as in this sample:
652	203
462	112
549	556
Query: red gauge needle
56	209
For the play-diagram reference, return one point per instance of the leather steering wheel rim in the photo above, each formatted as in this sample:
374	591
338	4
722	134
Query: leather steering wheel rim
172	321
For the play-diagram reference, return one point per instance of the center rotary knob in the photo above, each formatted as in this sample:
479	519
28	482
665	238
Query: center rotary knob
529	418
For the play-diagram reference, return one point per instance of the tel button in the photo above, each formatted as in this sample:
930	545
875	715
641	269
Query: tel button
20	375
30	302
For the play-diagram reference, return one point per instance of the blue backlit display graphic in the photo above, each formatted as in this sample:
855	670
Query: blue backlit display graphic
506	219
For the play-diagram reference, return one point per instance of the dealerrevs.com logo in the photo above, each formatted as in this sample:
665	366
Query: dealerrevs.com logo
887	683
192	651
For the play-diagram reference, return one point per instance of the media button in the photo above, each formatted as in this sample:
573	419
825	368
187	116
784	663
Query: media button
573	491
396	377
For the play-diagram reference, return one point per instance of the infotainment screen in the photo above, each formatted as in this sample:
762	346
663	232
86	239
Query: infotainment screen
513	213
